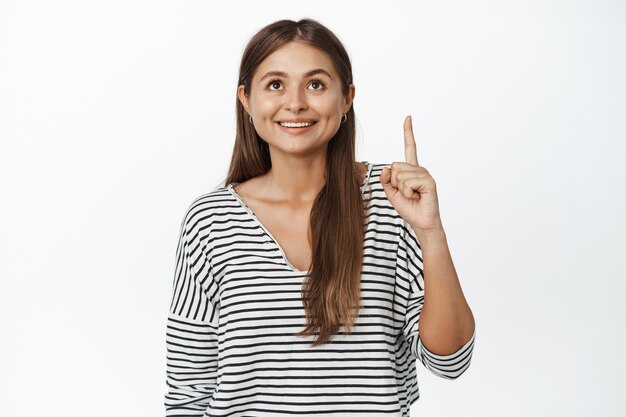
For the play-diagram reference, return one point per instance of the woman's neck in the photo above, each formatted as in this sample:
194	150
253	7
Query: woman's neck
297	180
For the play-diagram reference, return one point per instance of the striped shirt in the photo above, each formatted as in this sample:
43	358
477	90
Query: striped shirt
236	306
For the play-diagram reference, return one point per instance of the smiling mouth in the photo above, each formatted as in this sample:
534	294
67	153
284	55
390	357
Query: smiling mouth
296	124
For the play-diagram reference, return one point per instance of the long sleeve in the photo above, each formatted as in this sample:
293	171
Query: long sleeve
410	272
191	336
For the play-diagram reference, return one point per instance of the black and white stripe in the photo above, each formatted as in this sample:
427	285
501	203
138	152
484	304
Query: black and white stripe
236	306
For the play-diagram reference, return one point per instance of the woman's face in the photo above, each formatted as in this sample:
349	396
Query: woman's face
296	83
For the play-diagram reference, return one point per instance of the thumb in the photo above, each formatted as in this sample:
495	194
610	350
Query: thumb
385	180
385	176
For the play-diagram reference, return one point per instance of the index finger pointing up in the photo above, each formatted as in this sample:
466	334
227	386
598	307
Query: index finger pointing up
410	149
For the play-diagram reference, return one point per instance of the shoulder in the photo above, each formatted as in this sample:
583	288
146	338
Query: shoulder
202	209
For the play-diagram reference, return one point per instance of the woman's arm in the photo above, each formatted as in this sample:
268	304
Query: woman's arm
446	323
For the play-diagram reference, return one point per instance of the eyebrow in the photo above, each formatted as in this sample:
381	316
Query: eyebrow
308	74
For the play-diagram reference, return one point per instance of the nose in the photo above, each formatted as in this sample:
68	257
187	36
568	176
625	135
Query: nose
295	100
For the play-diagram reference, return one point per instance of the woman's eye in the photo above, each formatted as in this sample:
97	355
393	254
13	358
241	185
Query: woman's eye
317	83
273	83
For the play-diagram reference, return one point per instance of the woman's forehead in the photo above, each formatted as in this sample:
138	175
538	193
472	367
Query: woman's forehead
296	59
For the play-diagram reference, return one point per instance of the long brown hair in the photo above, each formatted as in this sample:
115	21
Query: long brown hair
331	292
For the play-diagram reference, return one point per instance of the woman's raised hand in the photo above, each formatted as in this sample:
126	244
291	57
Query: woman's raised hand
410	188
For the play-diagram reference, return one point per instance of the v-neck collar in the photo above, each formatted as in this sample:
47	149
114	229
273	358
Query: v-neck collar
231	189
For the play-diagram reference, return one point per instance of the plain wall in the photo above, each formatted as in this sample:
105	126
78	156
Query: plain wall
115	115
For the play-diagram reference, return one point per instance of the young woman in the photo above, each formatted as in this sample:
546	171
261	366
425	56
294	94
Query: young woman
309	282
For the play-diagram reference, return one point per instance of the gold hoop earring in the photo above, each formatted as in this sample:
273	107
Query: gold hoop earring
345	117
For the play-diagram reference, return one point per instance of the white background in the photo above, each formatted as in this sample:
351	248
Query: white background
115	115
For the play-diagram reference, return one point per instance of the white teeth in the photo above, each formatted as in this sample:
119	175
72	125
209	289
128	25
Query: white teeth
289	124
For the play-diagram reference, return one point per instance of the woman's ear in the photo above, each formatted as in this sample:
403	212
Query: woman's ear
349	98
243	98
